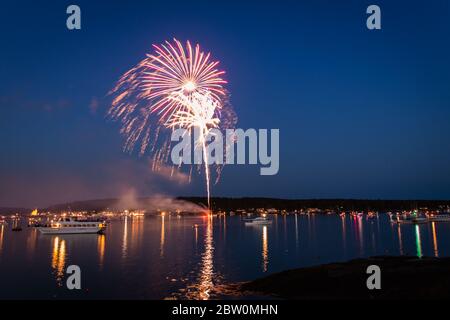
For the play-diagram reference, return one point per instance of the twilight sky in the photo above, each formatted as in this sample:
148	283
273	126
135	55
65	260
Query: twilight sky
361	113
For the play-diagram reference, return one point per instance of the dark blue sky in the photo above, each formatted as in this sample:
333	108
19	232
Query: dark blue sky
361	113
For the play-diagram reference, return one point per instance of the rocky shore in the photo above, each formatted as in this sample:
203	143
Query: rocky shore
401	278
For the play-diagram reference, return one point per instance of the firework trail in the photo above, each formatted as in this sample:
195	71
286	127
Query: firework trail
199	113
175	87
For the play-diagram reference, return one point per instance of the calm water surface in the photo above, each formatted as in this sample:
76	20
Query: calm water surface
167	257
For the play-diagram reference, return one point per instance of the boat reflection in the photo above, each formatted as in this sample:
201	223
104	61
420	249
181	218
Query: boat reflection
32	242
418	242
400	242
136	233
59	259
357	230
360	235
296	233
344	232
2	231
101	249
435	245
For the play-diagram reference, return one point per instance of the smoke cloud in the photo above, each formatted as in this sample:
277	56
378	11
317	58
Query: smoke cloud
157	202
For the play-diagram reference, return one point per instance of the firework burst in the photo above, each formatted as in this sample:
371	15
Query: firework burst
176	86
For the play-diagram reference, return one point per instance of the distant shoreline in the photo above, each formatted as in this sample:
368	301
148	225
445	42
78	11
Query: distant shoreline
247	203
402	277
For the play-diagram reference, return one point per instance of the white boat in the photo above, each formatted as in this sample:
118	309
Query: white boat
258	221
412	220
439	218
71	226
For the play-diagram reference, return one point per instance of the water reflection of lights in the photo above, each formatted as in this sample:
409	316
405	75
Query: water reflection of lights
360	234
136	231
400	243
344	232
313	228
101	249
162	240
59	259
224	227
276	226
196	236
265	249
55	252
2	228
125	238
435	245
32	241
207	271
356	231
418	242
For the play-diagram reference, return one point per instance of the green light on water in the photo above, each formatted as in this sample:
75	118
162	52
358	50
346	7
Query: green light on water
418	242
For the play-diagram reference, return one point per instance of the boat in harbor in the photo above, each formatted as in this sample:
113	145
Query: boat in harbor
258	221
355	214
16	224
73	226
439	218
372	215
412	220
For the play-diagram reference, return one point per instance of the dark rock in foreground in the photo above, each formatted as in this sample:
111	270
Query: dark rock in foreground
401	278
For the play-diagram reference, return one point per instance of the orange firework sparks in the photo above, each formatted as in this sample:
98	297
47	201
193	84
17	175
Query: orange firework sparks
175	69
